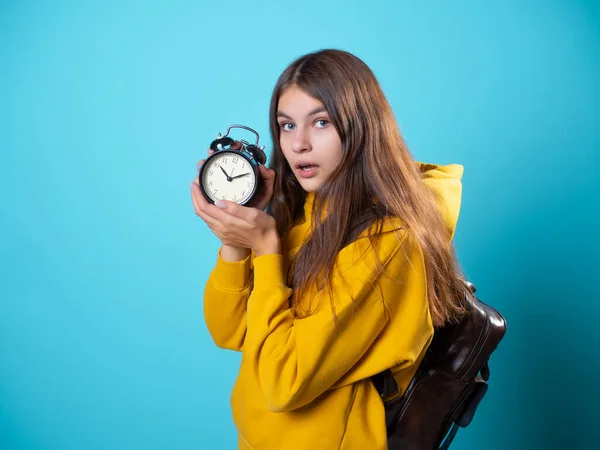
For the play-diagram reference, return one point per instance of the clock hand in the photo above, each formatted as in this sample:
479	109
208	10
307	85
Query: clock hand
223	170
242	175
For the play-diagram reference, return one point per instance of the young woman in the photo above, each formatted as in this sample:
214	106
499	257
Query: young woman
345	275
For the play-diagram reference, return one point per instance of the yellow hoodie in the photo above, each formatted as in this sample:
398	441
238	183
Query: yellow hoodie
304	383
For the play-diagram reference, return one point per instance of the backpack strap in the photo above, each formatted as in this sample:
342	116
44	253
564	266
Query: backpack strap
485	371
449	437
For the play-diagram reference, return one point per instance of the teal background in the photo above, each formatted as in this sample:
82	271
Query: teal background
105	108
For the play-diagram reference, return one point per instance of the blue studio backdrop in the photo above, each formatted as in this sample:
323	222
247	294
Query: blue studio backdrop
105	108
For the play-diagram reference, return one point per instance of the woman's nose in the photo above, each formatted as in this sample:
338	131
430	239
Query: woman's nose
301	142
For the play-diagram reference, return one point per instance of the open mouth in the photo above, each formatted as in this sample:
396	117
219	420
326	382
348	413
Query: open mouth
306	167
306	170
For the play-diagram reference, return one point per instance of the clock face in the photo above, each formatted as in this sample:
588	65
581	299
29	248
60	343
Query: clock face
228	176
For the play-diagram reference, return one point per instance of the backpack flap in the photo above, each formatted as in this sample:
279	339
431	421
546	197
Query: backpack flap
449	383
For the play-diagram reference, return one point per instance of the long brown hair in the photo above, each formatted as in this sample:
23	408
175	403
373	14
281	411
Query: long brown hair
377	177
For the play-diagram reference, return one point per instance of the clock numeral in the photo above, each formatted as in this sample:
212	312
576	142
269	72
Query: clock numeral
236	160
223	197
210	172
225	160
210	183
243	193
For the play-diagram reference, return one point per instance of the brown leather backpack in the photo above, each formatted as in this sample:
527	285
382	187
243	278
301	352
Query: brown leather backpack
448	385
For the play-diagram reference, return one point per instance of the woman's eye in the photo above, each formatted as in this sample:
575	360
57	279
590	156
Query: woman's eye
287	126
322	123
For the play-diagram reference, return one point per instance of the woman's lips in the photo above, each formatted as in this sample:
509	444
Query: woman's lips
307	172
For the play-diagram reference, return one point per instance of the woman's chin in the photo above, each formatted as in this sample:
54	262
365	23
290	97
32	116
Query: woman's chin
309	184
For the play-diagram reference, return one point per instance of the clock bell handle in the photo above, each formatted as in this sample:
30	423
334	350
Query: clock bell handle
243	127
256	151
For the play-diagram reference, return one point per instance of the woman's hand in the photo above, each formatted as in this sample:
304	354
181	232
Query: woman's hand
236	225
263	196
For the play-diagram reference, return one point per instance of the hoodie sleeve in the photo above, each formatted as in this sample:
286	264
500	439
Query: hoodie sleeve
297	359
445	182
225	297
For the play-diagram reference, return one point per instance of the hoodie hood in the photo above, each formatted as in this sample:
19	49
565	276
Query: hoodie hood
446	183
443	180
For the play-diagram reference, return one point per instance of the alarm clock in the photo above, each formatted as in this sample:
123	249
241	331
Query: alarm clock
231	173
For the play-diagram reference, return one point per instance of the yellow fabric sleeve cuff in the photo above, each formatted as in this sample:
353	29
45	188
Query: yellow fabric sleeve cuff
231	275
268	271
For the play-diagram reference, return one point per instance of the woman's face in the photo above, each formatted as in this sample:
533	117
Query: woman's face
310	143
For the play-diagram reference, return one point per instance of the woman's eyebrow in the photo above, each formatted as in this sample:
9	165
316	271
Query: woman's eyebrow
317	110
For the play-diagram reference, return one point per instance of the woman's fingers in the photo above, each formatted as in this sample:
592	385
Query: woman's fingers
212	223
212	214
266	191
197	198
266	173
200	203
269	180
